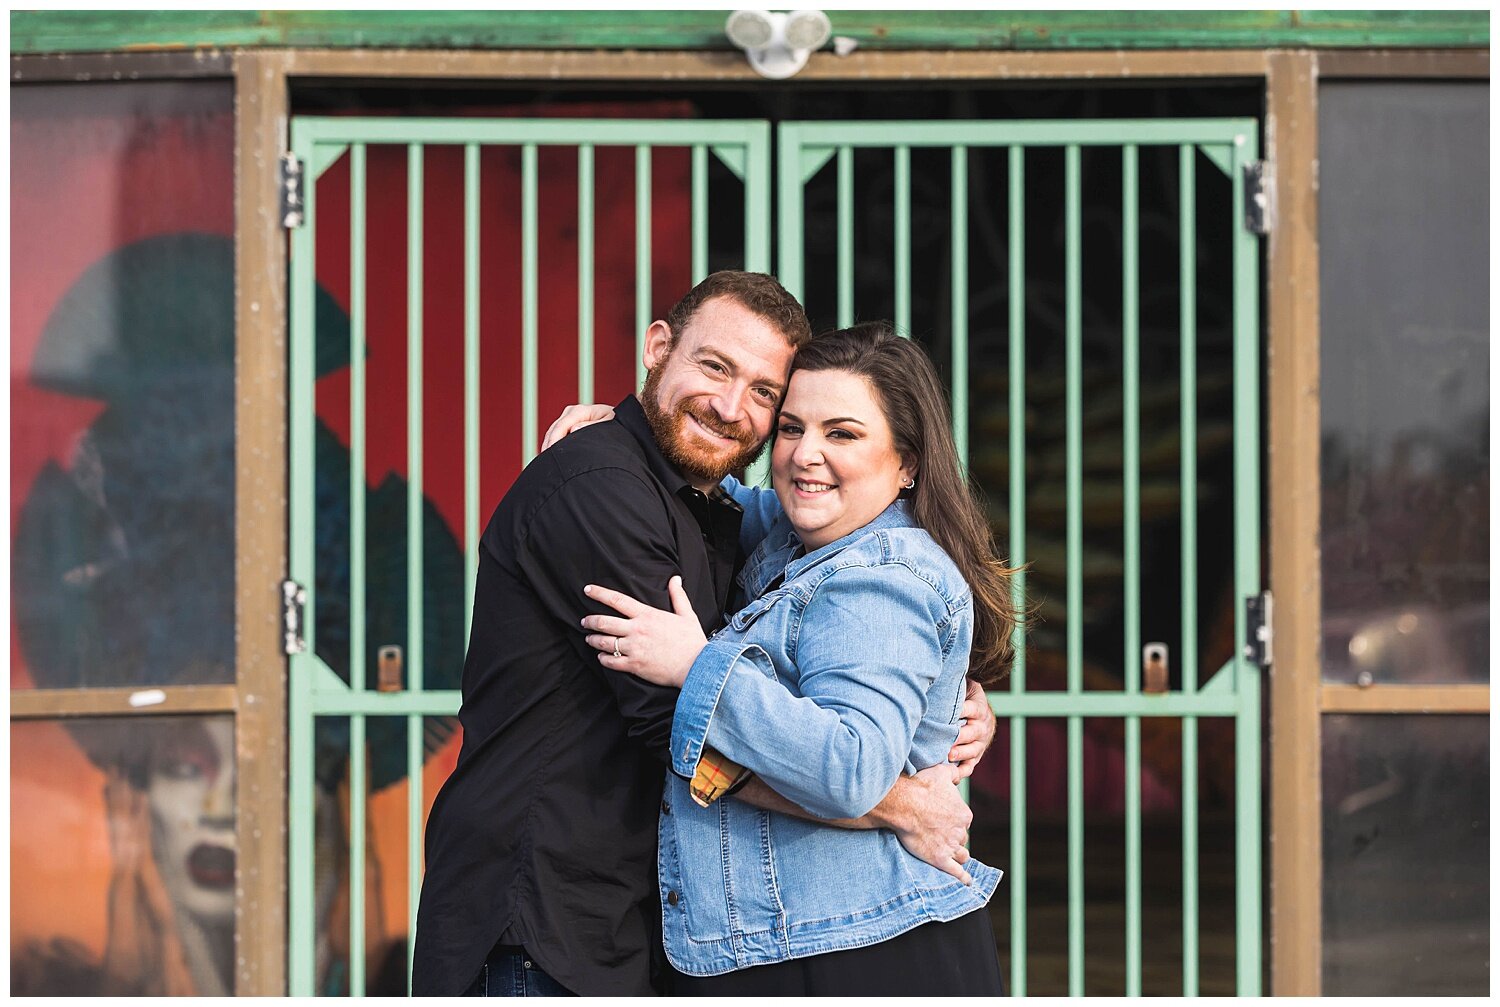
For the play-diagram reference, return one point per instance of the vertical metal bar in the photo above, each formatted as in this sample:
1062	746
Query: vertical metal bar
1073	406
1075	856
357	210
960	343
903	240
758	235
959	292
357	906
301	856
846	236
1188	661
414	557
413	835
1074	454
642	256
789	204
301	873
529	268
471	381
1130	300
414	568
758	198
1187	242
585	272
1247	580
1132	354
700	212
1189	856
1017	262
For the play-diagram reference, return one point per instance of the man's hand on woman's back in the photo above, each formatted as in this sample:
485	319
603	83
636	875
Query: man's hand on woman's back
930	818
977	733
925	812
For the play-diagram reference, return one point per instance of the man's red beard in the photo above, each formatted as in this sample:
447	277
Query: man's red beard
693	460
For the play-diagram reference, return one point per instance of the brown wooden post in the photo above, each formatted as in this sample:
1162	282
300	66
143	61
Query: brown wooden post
260	526
1294	493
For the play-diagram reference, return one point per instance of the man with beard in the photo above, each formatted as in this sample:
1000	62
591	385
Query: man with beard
541	846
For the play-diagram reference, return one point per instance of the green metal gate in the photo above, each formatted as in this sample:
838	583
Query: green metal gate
804	149
350	694
316	689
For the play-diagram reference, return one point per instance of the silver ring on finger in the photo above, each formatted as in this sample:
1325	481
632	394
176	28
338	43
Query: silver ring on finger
617	647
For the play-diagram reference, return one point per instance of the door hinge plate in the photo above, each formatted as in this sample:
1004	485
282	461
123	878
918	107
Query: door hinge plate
293	612
1258	629
1258	198
292	197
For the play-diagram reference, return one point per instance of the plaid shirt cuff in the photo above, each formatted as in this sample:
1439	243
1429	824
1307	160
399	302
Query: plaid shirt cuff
716	776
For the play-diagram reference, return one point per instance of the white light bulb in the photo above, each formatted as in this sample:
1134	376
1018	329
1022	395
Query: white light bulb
777	44
749	29
807	29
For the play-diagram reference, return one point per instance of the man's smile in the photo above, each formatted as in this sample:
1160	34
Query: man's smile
709	432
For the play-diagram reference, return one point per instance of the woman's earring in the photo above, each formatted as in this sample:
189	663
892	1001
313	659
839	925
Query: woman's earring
910	483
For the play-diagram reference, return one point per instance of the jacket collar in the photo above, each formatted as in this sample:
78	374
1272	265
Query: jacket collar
897	515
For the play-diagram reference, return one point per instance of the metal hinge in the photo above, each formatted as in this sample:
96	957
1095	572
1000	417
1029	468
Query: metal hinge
292	203
293	609
1258	198
1258	629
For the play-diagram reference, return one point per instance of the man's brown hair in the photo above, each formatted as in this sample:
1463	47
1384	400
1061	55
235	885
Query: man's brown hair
756	292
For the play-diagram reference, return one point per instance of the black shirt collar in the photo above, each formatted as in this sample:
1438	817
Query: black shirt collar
632	417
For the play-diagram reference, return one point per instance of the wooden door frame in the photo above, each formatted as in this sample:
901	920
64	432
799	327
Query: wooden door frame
1299	698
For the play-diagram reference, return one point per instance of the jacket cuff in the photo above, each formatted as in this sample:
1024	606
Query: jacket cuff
700	695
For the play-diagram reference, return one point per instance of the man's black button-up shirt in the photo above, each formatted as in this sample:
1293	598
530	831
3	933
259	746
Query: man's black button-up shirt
545	834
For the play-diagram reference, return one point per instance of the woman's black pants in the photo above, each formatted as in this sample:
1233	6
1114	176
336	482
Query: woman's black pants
935	959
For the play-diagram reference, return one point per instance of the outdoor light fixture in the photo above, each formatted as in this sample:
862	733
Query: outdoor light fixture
777	43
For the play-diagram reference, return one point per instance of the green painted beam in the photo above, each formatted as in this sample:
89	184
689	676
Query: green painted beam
105	31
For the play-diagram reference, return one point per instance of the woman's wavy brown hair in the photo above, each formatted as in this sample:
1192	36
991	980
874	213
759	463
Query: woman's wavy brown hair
943	501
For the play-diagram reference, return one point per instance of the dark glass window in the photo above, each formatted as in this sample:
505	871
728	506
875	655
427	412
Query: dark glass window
1404	254
1406	852
122	856
122	384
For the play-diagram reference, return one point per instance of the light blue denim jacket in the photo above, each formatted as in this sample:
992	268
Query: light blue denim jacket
846	670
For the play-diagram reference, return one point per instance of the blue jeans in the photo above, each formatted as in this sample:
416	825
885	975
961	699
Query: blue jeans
508	973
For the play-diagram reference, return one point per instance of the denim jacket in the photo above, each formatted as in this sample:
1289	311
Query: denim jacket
845	670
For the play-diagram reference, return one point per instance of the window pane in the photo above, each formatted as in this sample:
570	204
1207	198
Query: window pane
122	383
122	856
1403	215
1405	855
